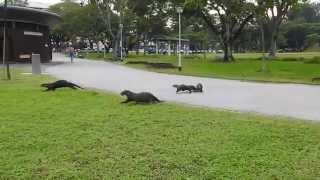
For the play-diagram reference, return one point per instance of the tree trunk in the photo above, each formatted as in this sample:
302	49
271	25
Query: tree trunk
274	38
116	47
264	60
228	55
273	47
145	44
227	42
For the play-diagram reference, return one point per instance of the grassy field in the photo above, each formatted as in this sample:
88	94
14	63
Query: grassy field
289	67
89	135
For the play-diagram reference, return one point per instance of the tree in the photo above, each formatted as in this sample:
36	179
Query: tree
226	18
110	10
305	12
77	20
275	12
151	17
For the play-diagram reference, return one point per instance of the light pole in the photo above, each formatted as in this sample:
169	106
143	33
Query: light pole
5	62
179	10
121	52
137	36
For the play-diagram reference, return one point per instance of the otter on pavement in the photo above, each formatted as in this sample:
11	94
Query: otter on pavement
143	97
189	88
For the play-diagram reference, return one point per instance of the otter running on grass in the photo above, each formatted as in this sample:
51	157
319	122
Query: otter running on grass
143	97
60	84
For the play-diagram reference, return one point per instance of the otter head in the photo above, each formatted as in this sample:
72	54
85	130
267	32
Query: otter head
125	93
44	85
175	85
200	87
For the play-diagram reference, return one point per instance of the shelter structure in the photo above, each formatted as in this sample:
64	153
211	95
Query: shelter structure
27	32
169	45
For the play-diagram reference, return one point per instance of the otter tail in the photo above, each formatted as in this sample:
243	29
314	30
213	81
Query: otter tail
157	100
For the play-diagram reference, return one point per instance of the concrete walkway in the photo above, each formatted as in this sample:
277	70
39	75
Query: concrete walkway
292	100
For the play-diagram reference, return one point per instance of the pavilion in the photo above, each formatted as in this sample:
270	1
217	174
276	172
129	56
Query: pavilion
170	44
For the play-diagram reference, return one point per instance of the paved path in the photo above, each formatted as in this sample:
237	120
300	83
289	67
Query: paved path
292	100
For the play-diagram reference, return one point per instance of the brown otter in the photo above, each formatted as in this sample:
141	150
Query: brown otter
143	97
189	88
60	84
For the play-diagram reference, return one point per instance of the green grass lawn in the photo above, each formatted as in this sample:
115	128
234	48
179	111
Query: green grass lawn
290	67
89	135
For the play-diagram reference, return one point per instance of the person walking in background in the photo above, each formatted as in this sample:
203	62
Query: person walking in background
71	53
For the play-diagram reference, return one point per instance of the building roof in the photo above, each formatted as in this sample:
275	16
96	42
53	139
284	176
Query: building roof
29	15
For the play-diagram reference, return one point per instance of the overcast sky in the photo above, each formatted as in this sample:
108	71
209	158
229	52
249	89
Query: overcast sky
46	3
43	3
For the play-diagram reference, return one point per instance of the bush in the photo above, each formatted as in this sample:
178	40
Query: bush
192	57
292	59
314	60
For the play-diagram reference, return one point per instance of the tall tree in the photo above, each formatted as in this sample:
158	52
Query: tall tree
151	17
275	12
226	18
307	12
110	10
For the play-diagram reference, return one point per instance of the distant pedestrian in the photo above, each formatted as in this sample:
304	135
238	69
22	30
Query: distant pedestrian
71	53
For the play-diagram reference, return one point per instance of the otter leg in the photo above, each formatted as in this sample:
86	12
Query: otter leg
49	89
72	87
126	101
155	99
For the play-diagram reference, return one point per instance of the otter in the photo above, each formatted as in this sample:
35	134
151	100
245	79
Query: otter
189	88
60	84
143	97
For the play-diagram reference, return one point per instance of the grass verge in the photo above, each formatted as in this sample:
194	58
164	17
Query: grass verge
89	135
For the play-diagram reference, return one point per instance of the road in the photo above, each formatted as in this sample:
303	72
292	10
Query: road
290	100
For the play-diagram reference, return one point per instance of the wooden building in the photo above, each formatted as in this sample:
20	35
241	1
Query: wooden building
27	32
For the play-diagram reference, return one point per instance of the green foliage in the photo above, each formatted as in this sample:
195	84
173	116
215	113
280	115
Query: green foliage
226	18
305	12
313	39
77	20
89	135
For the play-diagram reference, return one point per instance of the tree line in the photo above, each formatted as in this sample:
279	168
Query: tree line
233	25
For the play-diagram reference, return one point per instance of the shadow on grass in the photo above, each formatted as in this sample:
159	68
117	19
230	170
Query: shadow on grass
154	65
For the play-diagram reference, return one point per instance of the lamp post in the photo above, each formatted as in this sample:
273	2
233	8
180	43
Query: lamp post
137	36
121	44
179	10
5	62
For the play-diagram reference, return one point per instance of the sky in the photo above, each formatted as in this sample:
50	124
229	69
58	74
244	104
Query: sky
43	3
46	3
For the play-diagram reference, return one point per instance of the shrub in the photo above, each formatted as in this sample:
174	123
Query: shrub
314	60
192	57
292	59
